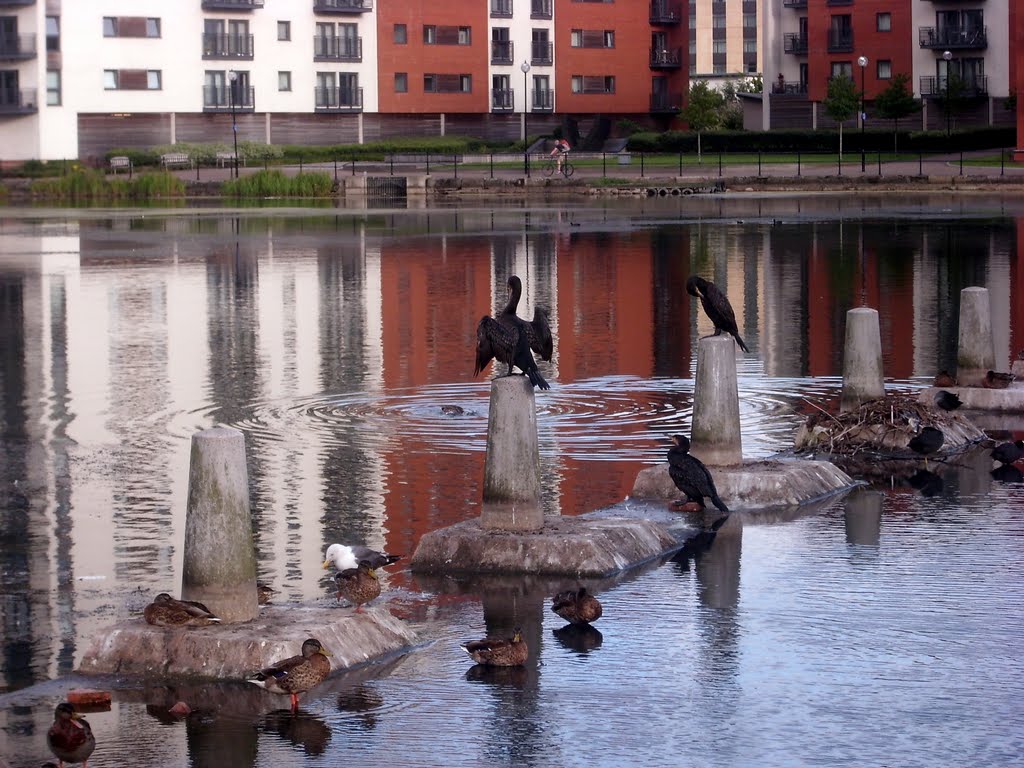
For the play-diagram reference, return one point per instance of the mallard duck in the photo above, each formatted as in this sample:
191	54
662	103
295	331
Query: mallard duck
297	674
344	557
165	611
358	585
943	379
1008	453
498	651
264	592
947	401
70	737
997	380
577	606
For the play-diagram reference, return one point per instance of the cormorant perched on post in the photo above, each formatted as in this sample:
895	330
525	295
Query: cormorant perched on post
507	343
537	331
690	475
716	306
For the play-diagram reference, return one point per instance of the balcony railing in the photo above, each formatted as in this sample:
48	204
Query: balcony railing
18	101
795	43
217	98
968	87
502	100
338	99
502	52
232	5
797	4
664	12
18	47
665	103
216	46
953	37
666	59
789	88
542	100
342	6
501	9
541	53
540	9
337	48
840	41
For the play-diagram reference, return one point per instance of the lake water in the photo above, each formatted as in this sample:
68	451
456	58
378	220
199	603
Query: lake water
878	629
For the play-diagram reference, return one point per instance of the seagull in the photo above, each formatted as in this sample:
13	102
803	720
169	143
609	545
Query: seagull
344	557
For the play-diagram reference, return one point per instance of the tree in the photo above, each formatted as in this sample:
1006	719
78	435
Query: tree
842	102
953	96
703	109
895	102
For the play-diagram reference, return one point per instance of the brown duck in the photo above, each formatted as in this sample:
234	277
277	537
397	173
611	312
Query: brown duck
165	611
358	585
498	651
577	606
70	737
297	674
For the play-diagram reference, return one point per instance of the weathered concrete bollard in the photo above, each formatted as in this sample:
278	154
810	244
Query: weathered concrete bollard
220	560
976	350
715	435
862	360
512	464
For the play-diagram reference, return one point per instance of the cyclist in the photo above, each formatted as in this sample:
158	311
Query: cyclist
560	151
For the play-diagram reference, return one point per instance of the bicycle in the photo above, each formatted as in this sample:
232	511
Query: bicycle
551	168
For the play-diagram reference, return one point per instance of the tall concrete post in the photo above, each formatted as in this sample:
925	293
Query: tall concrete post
862	360
715	435
512	465
976	349
220	559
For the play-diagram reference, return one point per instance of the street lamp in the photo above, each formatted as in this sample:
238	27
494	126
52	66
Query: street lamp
863	61
947	56
232	78
525	66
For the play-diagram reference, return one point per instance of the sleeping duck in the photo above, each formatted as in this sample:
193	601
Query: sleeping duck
165	611
498	651
577	606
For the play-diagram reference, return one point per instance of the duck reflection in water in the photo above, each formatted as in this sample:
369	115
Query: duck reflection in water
300	729
515	677
1007	473
361	701
928	483
580	638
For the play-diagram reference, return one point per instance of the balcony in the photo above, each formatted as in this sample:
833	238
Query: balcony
232	5
217	98
542	100
964	87
338	99
18	101
789	88
501	9
18	48
540	9
665	59
795	4
666	103
963	38
665	13
15	3
541	54
794	43
227	46
502	100
502	52
342	6
840	41
337	48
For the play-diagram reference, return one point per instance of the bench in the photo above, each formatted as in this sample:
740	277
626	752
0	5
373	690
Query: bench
228	158
175	158
120	161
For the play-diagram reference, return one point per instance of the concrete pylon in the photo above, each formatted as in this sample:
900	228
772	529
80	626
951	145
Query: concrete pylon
976	349
511	499
862	360
715	434
220	559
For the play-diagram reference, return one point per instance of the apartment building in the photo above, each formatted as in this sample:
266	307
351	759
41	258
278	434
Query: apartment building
723	37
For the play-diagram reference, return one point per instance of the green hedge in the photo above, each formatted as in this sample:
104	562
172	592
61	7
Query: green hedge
276	184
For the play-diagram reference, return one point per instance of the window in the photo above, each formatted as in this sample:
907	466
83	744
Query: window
110	79
883	22
464	38
593	84
109	26
447	83
153	80
718	46
53	87
718	69
884	69
434	35
592	38
750	21
152	27
53	33
842	68
750	46
718	22
402	82
130	26
284	31
284	81
609	38
401	34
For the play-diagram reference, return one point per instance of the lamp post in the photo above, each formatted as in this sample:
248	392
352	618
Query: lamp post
525	66
232	79
863	61
947	56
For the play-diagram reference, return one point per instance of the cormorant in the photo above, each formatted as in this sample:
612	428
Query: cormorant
537	331
507	340
690	475
947	401
716	306
927	441
1008	453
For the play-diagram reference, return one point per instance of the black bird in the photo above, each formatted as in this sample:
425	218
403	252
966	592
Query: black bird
716	306
927	441
690	475
947	401
1008	453
507	343
1007	473
537	330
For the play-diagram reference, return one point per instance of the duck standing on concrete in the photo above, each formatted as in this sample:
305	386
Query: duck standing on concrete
70	737
538	331
716	307
296	674
264	593
358	585
165	611
943	379
1009	453
997	380
499	651
344	556
690	475
577	606
947	401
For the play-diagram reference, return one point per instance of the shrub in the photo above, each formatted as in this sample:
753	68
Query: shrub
276	184
87	185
